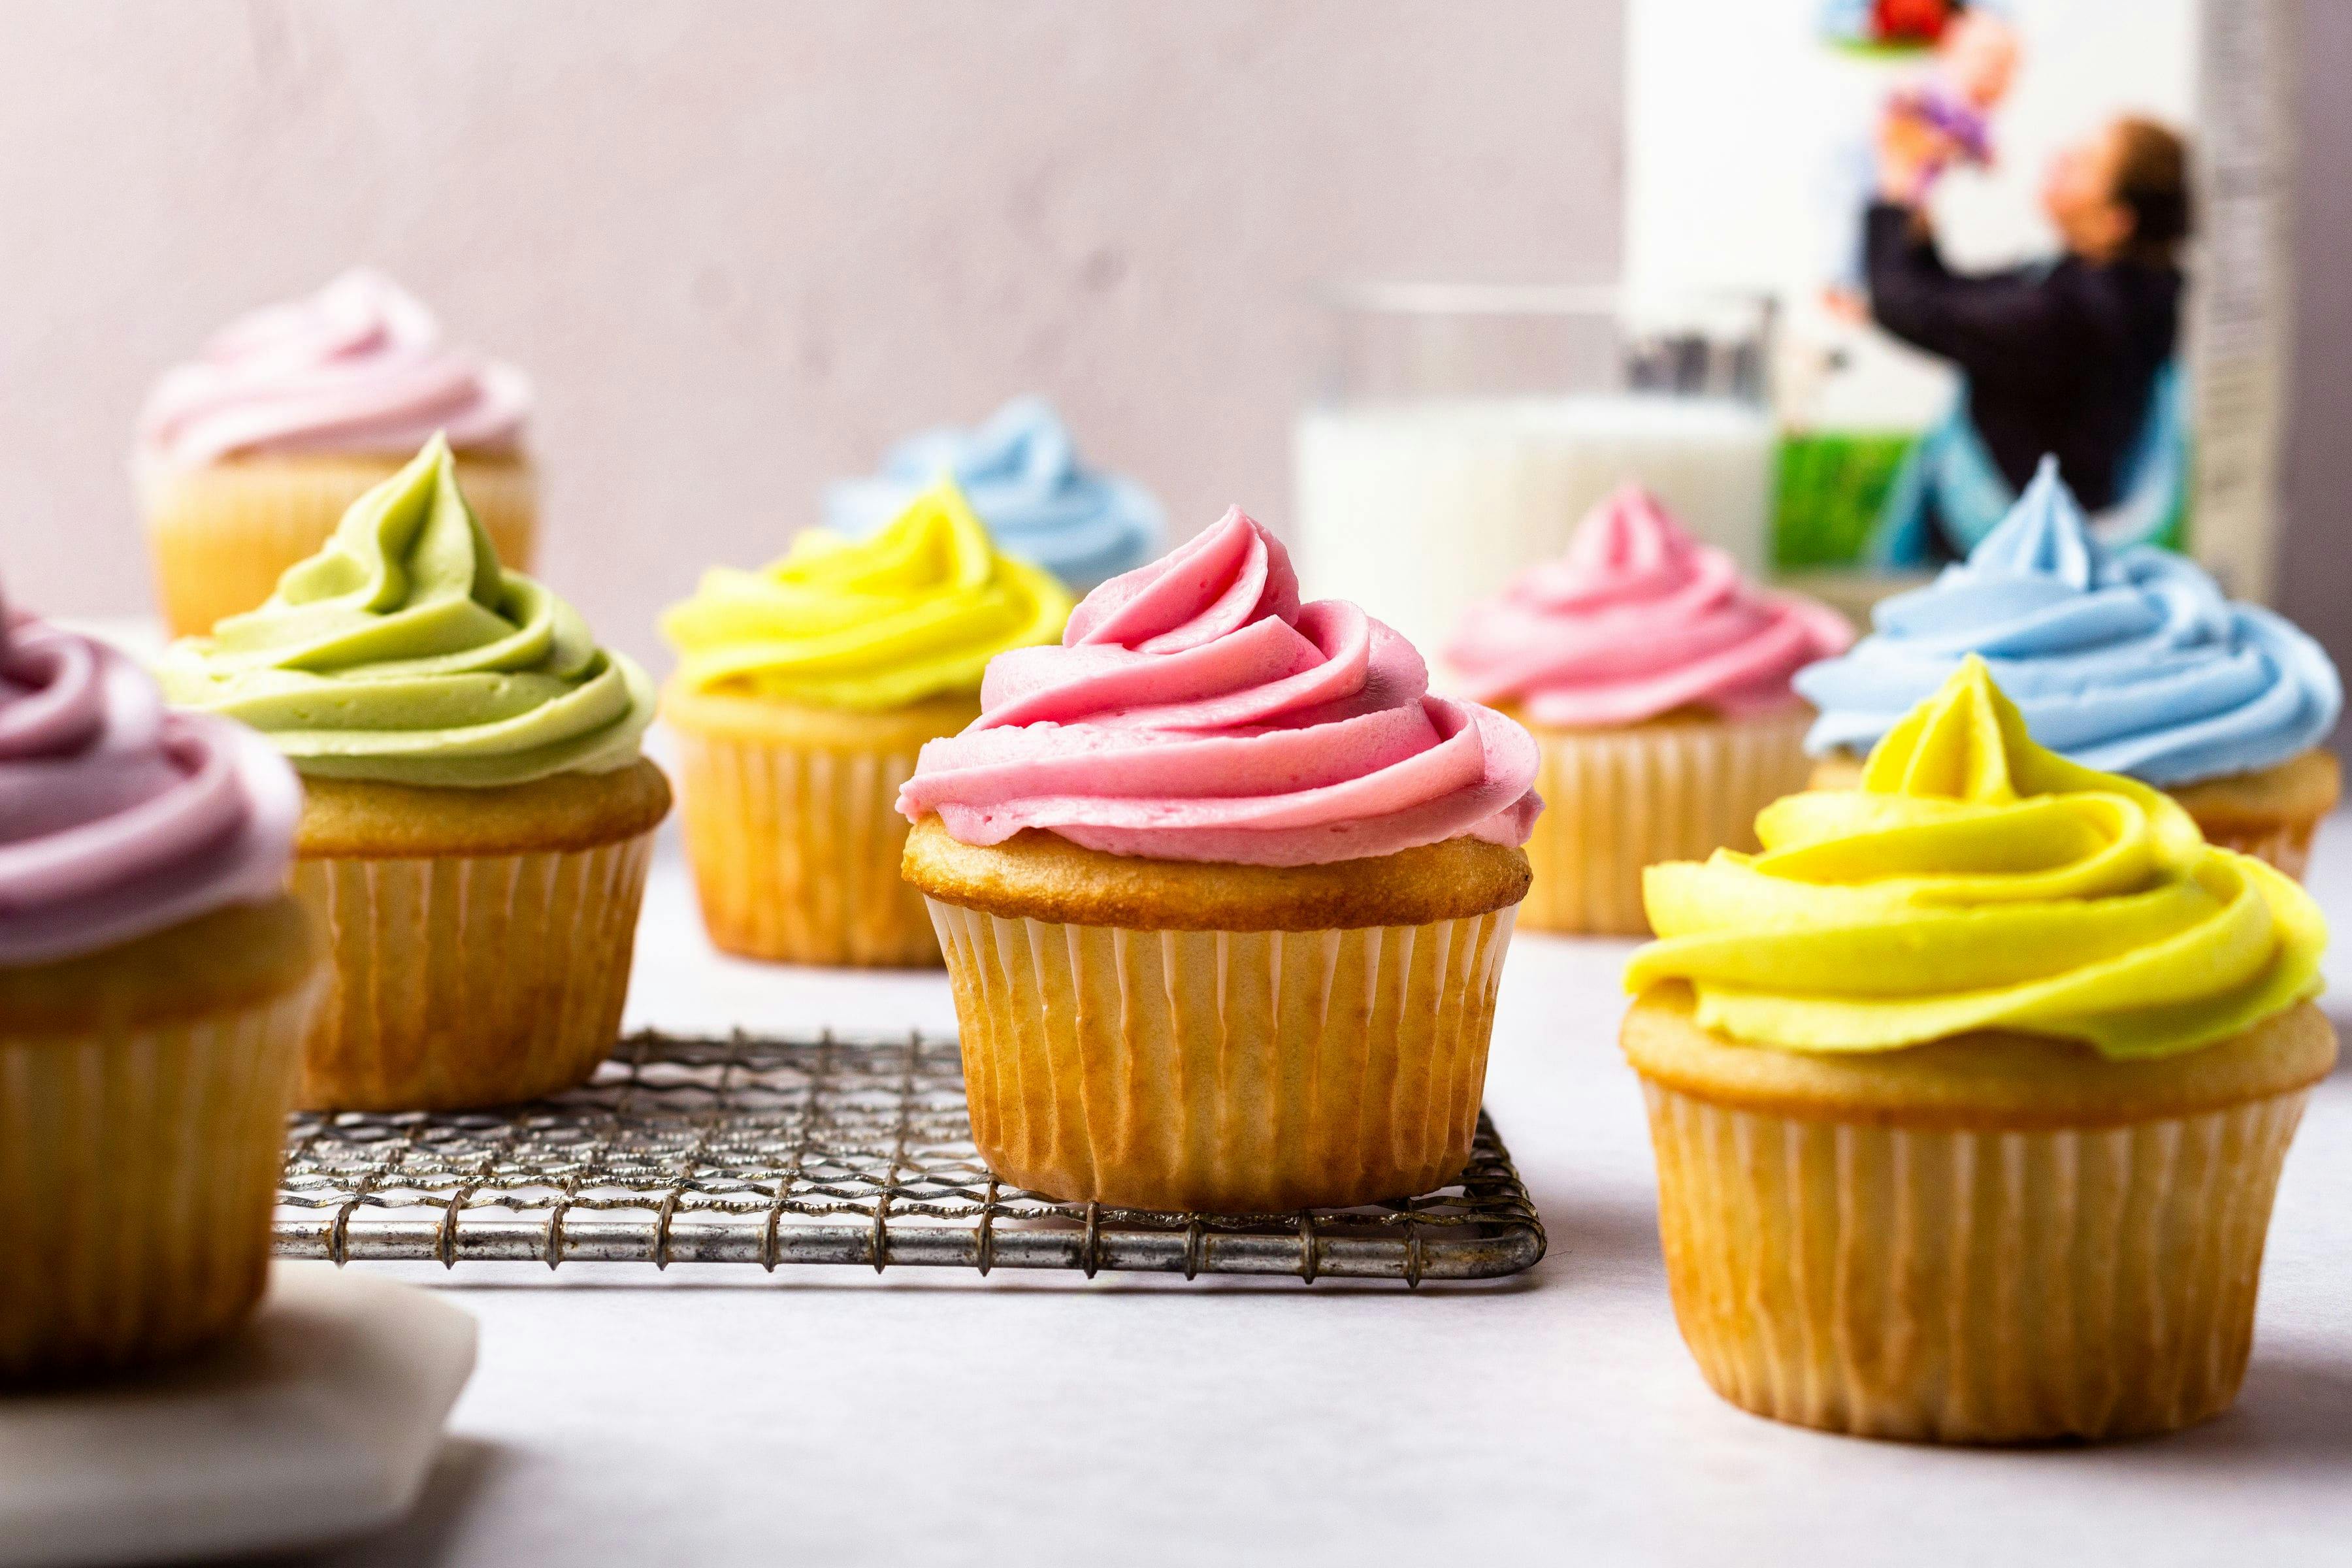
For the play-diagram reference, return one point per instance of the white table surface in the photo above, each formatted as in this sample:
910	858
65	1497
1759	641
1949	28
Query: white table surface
721	1416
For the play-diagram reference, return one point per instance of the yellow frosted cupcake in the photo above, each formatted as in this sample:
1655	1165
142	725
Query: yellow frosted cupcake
155	983
1655	680
480	818
1970	1093
1224	894
2129	661
249	455
802	694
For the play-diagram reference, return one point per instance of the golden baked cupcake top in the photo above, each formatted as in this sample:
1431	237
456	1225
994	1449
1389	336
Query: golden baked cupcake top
1978	881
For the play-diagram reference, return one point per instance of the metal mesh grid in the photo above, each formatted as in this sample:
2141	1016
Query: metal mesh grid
752	1150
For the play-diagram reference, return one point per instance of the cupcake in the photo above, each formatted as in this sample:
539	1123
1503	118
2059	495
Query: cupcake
248	457
802	694
1023	478
2130	661
156	985
479	820
1224	894
1969	1093
1655	681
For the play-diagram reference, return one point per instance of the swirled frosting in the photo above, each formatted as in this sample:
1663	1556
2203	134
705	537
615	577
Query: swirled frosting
1977	882
1024	480
2130	661
118	818
359	367
1636	620
1197	711
916	611
404	652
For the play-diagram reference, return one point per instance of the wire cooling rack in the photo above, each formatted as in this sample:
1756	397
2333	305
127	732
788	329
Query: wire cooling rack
753	1150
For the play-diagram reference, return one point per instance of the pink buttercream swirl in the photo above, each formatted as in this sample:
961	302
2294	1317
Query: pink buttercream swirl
119	817
358	367
1196	710
1638	619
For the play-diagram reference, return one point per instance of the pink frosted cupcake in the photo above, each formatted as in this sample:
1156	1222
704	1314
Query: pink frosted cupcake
1655	680
1223	893
250	454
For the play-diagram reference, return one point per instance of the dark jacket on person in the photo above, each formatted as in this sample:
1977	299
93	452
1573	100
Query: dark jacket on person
2060	358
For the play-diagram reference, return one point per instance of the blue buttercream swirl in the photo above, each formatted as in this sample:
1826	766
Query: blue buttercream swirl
1022	477
2130	661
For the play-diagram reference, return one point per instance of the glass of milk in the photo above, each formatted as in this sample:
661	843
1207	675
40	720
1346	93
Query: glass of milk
1460	432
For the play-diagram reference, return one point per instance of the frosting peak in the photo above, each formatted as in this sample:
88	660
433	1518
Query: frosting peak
2045	534
2129	661
403	651
358	367
1022	477
1637	619
916	611
1196	710
1977	882
117	818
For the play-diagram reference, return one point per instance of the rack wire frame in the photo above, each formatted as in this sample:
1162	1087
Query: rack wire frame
748	1149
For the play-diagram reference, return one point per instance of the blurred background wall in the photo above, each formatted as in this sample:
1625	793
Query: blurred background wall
743	246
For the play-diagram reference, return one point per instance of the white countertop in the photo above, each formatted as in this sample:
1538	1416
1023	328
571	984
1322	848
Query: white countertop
716	1415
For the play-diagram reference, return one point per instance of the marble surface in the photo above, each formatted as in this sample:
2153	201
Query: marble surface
719	1416
320	1420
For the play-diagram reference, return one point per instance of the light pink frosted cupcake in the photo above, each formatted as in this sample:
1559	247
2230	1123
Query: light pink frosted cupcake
250	454
1655	680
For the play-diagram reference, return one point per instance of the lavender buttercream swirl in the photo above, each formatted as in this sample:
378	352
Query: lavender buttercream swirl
118	816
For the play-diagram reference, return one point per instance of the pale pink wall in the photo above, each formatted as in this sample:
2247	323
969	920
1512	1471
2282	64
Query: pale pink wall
741	245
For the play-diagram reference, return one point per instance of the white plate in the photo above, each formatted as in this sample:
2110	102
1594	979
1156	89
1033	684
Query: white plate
318	1422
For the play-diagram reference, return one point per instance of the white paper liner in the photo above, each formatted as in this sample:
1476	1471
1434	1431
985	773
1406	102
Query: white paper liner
469	980
138	1170
1974	1287
796	852
1223	1071
1618	800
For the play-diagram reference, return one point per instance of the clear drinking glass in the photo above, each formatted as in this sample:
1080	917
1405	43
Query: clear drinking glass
1459	432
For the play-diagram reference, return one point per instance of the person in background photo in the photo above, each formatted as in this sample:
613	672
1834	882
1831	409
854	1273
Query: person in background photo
2074	356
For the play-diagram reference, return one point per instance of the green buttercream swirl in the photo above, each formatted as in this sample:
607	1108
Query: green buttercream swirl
404	652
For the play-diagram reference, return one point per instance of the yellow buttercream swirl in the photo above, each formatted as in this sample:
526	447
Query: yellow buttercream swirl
916	611
1978	881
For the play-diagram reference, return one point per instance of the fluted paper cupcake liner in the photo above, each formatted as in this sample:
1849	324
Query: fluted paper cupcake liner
796	851
466	981
1618	800
1967	1286
138	1170
1223	1071
221	535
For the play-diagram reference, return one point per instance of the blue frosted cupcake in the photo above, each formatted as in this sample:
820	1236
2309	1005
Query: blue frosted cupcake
1022	476
2131	661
